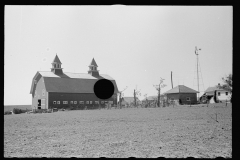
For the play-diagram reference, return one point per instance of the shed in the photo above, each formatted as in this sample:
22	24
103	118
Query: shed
183	94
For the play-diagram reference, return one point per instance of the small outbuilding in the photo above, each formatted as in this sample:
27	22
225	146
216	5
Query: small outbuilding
182	94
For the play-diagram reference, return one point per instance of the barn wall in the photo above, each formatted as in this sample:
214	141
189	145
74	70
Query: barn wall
193	98
175	96
183	96
39	95
75	97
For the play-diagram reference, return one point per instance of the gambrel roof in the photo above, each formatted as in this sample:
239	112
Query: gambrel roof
181	89
70	82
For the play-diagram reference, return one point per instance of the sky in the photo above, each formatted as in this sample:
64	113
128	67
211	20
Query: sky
135	45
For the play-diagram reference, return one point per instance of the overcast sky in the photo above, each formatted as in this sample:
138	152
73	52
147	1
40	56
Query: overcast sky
135	45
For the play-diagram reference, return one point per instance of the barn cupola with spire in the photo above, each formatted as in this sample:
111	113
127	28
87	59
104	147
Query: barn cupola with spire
93	69
56	66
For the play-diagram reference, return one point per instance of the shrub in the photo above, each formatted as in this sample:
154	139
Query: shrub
7	112
17	111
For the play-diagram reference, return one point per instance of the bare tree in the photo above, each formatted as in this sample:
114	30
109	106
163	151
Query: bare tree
120	97
136	93
158	88
146	100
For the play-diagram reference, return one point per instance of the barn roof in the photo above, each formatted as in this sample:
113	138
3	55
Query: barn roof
181	89
56	60
72	82
93	63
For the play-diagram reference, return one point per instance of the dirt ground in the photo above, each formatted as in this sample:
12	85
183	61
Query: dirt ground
179	131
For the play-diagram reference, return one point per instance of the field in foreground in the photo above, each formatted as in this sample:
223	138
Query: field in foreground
130	132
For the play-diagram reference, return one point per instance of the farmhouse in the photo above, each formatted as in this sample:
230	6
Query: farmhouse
220	94
58	89
183	94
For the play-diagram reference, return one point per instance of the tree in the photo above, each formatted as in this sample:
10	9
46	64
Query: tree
146	101
227	84
158	88
135	94
120	97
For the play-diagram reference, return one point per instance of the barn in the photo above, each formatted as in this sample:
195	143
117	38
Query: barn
183	94
58	89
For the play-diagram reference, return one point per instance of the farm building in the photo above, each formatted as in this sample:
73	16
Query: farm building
153	99
58	89
216	94
183	94
128	101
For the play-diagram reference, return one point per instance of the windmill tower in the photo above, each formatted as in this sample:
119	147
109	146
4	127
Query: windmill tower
199	74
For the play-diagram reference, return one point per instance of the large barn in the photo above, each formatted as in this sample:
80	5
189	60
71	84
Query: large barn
58	89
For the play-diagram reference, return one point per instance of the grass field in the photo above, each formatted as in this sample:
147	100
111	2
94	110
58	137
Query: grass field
11	107
181	131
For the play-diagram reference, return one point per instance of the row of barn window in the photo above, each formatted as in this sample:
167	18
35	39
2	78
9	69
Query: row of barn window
82	102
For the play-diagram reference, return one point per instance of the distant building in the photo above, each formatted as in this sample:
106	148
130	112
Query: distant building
183	94
128	101
221	94
153	99
58	89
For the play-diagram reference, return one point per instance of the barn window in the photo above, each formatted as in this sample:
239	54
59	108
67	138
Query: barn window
96	102
58	102
188	98
87	102
81	102
219	93
90	102
75	102
54	102
102	102
43	92
71	102
226	93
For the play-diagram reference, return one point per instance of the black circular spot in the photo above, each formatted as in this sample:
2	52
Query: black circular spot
103	89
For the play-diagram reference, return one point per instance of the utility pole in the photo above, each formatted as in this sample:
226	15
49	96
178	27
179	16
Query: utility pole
158	88
171	79
120	97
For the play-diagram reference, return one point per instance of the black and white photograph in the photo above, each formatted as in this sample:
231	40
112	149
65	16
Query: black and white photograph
118	81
